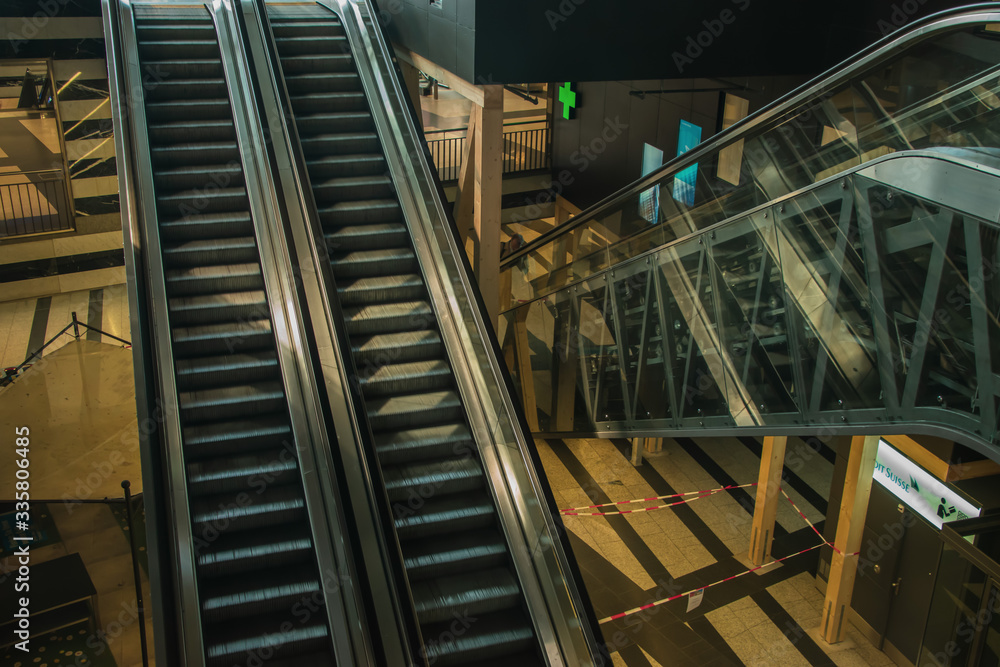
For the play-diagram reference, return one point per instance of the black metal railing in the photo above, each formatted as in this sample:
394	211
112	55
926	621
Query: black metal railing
523	150
32	202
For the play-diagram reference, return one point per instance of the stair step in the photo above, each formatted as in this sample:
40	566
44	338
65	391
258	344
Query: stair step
233	250
207	226
420	444
205	152
320	102
218	308
363	263
475	594
280	547
229	643
230	403
426	518
229	369
200	176
412	410
439	478
407	377
381	289
213	279
233	512
257	433
361	164
322	82
474	550
348	188
239	597
360	212
250	473
244	336
367	237
345	142
389	318
499	639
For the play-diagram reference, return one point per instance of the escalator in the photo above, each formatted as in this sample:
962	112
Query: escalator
243	561
829	266
459	570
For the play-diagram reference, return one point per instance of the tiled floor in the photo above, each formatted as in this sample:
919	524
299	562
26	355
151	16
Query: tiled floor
768	617
28	324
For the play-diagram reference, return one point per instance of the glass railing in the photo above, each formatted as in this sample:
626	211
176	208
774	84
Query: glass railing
870	301
936	85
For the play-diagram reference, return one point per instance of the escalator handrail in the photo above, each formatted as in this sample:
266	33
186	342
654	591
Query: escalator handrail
353	435
136	182
813	89
427	219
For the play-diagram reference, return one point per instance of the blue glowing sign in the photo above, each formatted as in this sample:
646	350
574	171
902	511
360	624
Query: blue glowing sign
684	181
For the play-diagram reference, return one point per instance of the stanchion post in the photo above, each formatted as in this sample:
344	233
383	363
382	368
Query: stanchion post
135	568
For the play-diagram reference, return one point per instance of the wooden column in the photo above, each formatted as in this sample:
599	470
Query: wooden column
524	373
411	78
465	199
772	461
488	161
850	524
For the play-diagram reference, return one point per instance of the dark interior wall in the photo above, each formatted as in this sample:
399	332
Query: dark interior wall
611	125
607	40
444	33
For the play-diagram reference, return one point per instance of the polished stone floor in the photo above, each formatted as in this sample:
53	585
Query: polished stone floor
765	618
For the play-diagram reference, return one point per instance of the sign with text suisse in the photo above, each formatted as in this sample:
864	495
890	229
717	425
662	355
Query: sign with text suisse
922	492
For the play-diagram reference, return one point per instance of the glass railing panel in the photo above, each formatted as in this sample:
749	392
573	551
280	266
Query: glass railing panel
641	338
823	272
751	299
940	90
598	348
697	369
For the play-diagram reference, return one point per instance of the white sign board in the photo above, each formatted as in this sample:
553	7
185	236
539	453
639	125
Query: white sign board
695	598
922	492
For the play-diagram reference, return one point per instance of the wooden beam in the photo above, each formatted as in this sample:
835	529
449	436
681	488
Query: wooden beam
972	469
468	90
920	455
488	188
850	526
772	462
525	375
465	198
411	79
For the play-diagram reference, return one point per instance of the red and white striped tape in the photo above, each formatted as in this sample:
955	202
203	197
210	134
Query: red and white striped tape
575	511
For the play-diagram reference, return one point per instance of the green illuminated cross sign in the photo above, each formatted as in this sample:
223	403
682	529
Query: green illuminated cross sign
568	99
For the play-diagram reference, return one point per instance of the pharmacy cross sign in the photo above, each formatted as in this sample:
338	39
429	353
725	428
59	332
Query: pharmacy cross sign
568	99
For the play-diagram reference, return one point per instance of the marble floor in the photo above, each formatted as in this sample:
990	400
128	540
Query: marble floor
27	324
764	618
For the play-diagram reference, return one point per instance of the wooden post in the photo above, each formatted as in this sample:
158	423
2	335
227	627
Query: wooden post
524	372
772	461
566	365
465	199
488	186
850	524
411	79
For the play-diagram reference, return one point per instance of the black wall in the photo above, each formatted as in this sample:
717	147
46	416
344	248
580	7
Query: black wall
610	40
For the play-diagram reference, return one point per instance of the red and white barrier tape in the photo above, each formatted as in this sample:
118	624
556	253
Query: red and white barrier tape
575	511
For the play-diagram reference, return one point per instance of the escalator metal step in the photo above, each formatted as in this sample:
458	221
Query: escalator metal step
498	640
205	109
233	250
438	516
166	49
442	477
248	473
323	82
210	199
346	165
218	308
359	212
322	102
224	438
206	372
397	347
306	44
207	226
337	121
209	279
233	512
389	318
239	596
365	237
476	594
362	263
381	289
289	27
407	377
279	547
154	29
206	153
231	642
414	410
353	187
187	178
159	70
226	403
242	335
332	62
214	129
473	551
421	444
347	142
186	89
